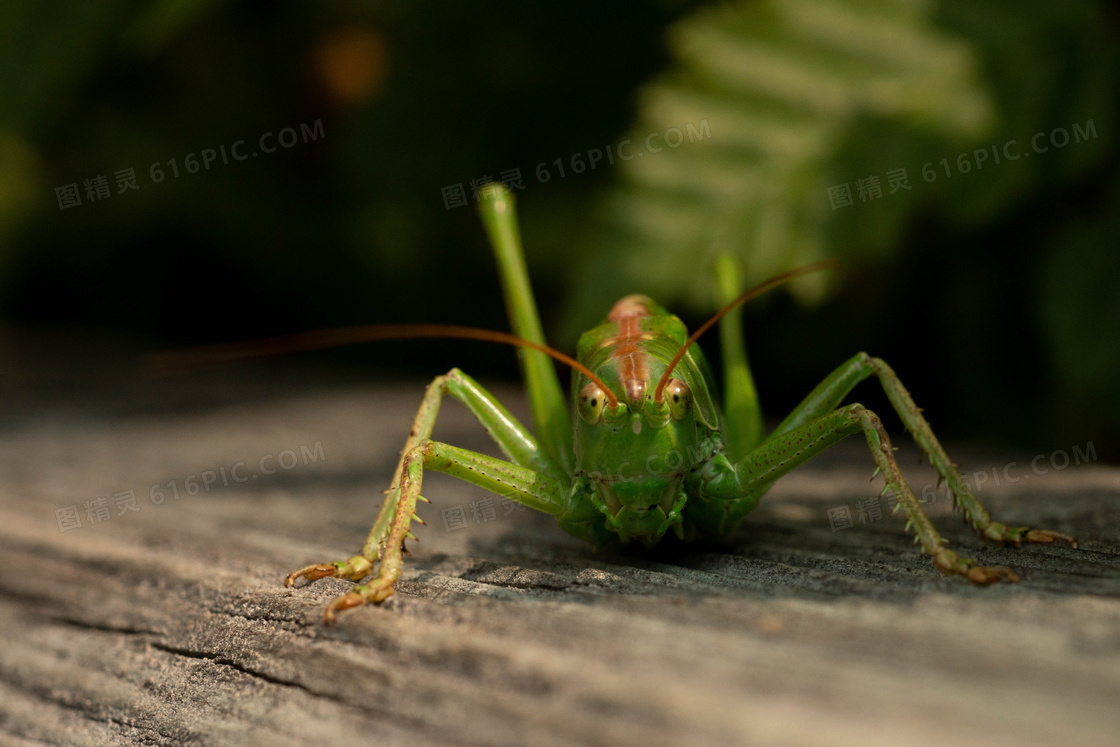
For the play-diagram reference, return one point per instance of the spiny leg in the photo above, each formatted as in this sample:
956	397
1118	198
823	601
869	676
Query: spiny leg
830	392
516	442
527	486
784	452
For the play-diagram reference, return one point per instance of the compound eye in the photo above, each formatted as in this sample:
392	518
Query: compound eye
679	397
591	402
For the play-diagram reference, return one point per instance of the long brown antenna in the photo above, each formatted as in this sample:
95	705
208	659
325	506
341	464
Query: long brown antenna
758	290
211	356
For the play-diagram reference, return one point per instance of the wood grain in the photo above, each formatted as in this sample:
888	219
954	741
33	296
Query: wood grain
169	624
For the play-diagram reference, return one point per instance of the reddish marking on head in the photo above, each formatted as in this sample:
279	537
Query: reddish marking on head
631	359
631	306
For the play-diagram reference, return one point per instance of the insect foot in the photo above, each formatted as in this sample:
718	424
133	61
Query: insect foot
1016	536
951	564
354	569
375	592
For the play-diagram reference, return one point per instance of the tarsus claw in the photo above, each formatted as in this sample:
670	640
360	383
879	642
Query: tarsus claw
355	569
1001	533
1045	536
344	602
311	573
949	563
375	592
982	575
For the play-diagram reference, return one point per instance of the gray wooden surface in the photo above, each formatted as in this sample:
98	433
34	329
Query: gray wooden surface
169	624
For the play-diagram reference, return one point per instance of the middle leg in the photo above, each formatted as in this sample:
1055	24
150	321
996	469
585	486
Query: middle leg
731	486
831	392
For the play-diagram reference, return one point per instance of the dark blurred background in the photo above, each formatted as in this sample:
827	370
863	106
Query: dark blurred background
958	158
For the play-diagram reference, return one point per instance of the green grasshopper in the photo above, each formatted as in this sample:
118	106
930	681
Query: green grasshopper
647	449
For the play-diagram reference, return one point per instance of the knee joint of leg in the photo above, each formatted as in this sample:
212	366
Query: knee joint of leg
419	451
878	366
872	421
440	382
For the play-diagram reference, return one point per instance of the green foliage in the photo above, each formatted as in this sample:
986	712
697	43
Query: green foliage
803	95
798	96
789	89
1078	313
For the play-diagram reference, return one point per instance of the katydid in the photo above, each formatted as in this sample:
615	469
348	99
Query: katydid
647	450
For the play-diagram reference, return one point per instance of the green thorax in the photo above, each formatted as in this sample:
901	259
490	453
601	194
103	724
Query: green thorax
638	457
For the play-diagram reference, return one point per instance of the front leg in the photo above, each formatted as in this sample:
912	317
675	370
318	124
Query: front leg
726	492
513	439
521	484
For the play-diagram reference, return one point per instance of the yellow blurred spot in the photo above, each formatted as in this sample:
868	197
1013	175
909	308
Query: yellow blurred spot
770	624
22	183
351	64
791	512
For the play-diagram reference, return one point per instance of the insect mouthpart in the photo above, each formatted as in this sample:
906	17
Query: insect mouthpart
638	508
